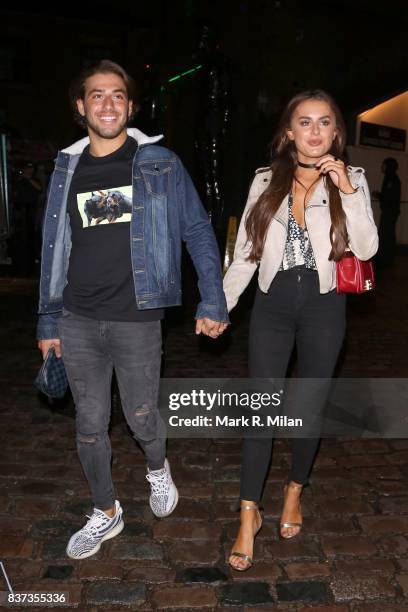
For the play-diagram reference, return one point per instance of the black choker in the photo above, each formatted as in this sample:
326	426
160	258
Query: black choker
302	165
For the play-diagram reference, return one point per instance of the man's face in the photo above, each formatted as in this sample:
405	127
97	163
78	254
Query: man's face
105	106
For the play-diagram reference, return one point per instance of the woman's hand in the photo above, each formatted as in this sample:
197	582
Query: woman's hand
210	328
336	169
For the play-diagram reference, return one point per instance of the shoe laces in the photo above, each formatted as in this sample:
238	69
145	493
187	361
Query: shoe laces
159	481
96	521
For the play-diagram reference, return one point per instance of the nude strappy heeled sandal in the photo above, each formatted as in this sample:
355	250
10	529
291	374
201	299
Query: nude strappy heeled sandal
298	487
240	555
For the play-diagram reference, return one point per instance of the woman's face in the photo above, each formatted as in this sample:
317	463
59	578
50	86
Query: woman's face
313	129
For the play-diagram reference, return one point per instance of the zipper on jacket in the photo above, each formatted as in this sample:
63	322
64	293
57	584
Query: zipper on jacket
306	227
310	238
281	222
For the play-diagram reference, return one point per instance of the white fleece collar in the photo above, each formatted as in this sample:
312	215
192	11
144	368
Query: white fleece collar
79	145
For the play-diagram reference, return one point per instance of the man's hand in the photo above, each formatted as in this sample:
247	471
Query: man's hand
209	327
45	345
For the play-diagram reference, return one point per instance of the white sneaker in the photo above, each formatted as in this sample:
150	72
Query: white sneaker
100	527
164	496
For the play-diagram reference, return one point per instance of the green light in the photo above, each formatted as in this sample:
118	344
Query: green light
182	74
178	76
191	70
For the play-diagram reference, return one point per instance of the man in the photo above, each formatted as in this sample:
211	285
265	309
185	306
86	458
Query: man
106	279
390	200
24	214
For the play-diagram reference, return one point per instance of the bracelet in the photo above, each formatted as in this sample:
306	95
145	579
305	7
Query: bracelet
350	192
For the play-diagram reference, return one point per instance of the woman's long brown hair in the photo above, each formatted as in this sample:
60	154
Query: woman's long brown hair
283	165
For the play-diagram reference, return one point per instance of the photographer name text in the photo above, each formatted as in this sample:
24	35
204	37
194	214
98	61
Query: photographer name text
242	421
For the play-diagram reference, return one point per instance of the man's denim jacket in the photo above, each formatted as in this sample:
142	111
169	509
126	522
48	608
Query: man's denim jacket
166	210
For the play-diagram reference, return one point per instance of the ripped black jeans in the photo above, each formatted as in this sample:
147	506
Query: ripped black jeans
91	349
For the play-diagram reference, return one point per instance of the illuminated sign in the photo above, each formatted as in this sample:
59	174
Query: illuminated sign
373	135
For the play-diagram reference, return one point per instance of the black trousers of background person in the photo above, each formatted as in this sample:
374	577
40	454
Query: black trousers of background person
292	312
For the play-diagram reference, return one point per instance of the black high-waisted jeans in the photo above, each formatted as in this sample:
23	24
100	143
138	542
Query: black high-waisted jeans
293	311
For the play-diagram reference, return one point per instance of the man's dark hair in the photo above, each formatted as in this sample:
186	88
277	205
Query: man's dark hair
391	165
77	86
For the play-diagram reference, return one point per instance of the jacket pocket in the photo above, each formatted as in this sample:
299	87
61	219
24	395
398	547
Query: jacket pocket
156	177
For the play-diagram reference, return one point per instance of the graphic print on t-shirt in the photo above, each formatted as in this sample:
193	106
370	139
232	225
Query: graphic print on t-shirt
103	206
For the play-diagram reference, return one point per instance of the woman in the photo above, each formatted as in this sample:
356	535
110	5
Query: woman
300	216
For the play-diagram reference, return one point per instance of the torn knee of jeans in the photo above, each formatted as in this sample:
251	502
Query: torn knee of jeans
144	422
142	410
87	438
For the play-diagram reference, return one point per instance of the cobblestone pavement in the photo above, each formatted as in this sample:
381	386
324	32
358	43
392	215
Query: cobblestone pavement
352	554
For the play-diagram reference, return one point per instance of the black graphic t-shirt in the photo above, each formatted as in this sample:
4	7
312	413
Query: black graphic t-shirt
100	279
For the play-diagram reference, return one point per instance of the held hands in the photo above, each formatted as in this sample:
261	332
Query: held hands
211	328
45	345
205	326
336	169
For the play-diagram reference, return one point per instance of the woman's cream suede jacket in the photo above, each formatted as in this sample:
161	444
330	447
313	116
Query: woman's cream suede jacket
362	233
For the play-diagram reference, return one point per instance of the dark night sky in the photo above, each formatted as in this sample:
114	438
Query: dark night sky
355	48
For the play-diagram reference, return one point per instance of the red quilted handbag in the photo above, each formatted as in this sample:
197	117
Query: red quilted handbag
354	275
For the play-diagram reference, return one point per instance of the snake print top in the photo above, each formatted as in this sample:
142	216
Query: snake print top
298	249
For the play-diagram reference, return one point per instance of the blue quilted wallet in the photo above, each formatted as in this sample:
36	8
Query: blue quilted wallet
52	378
